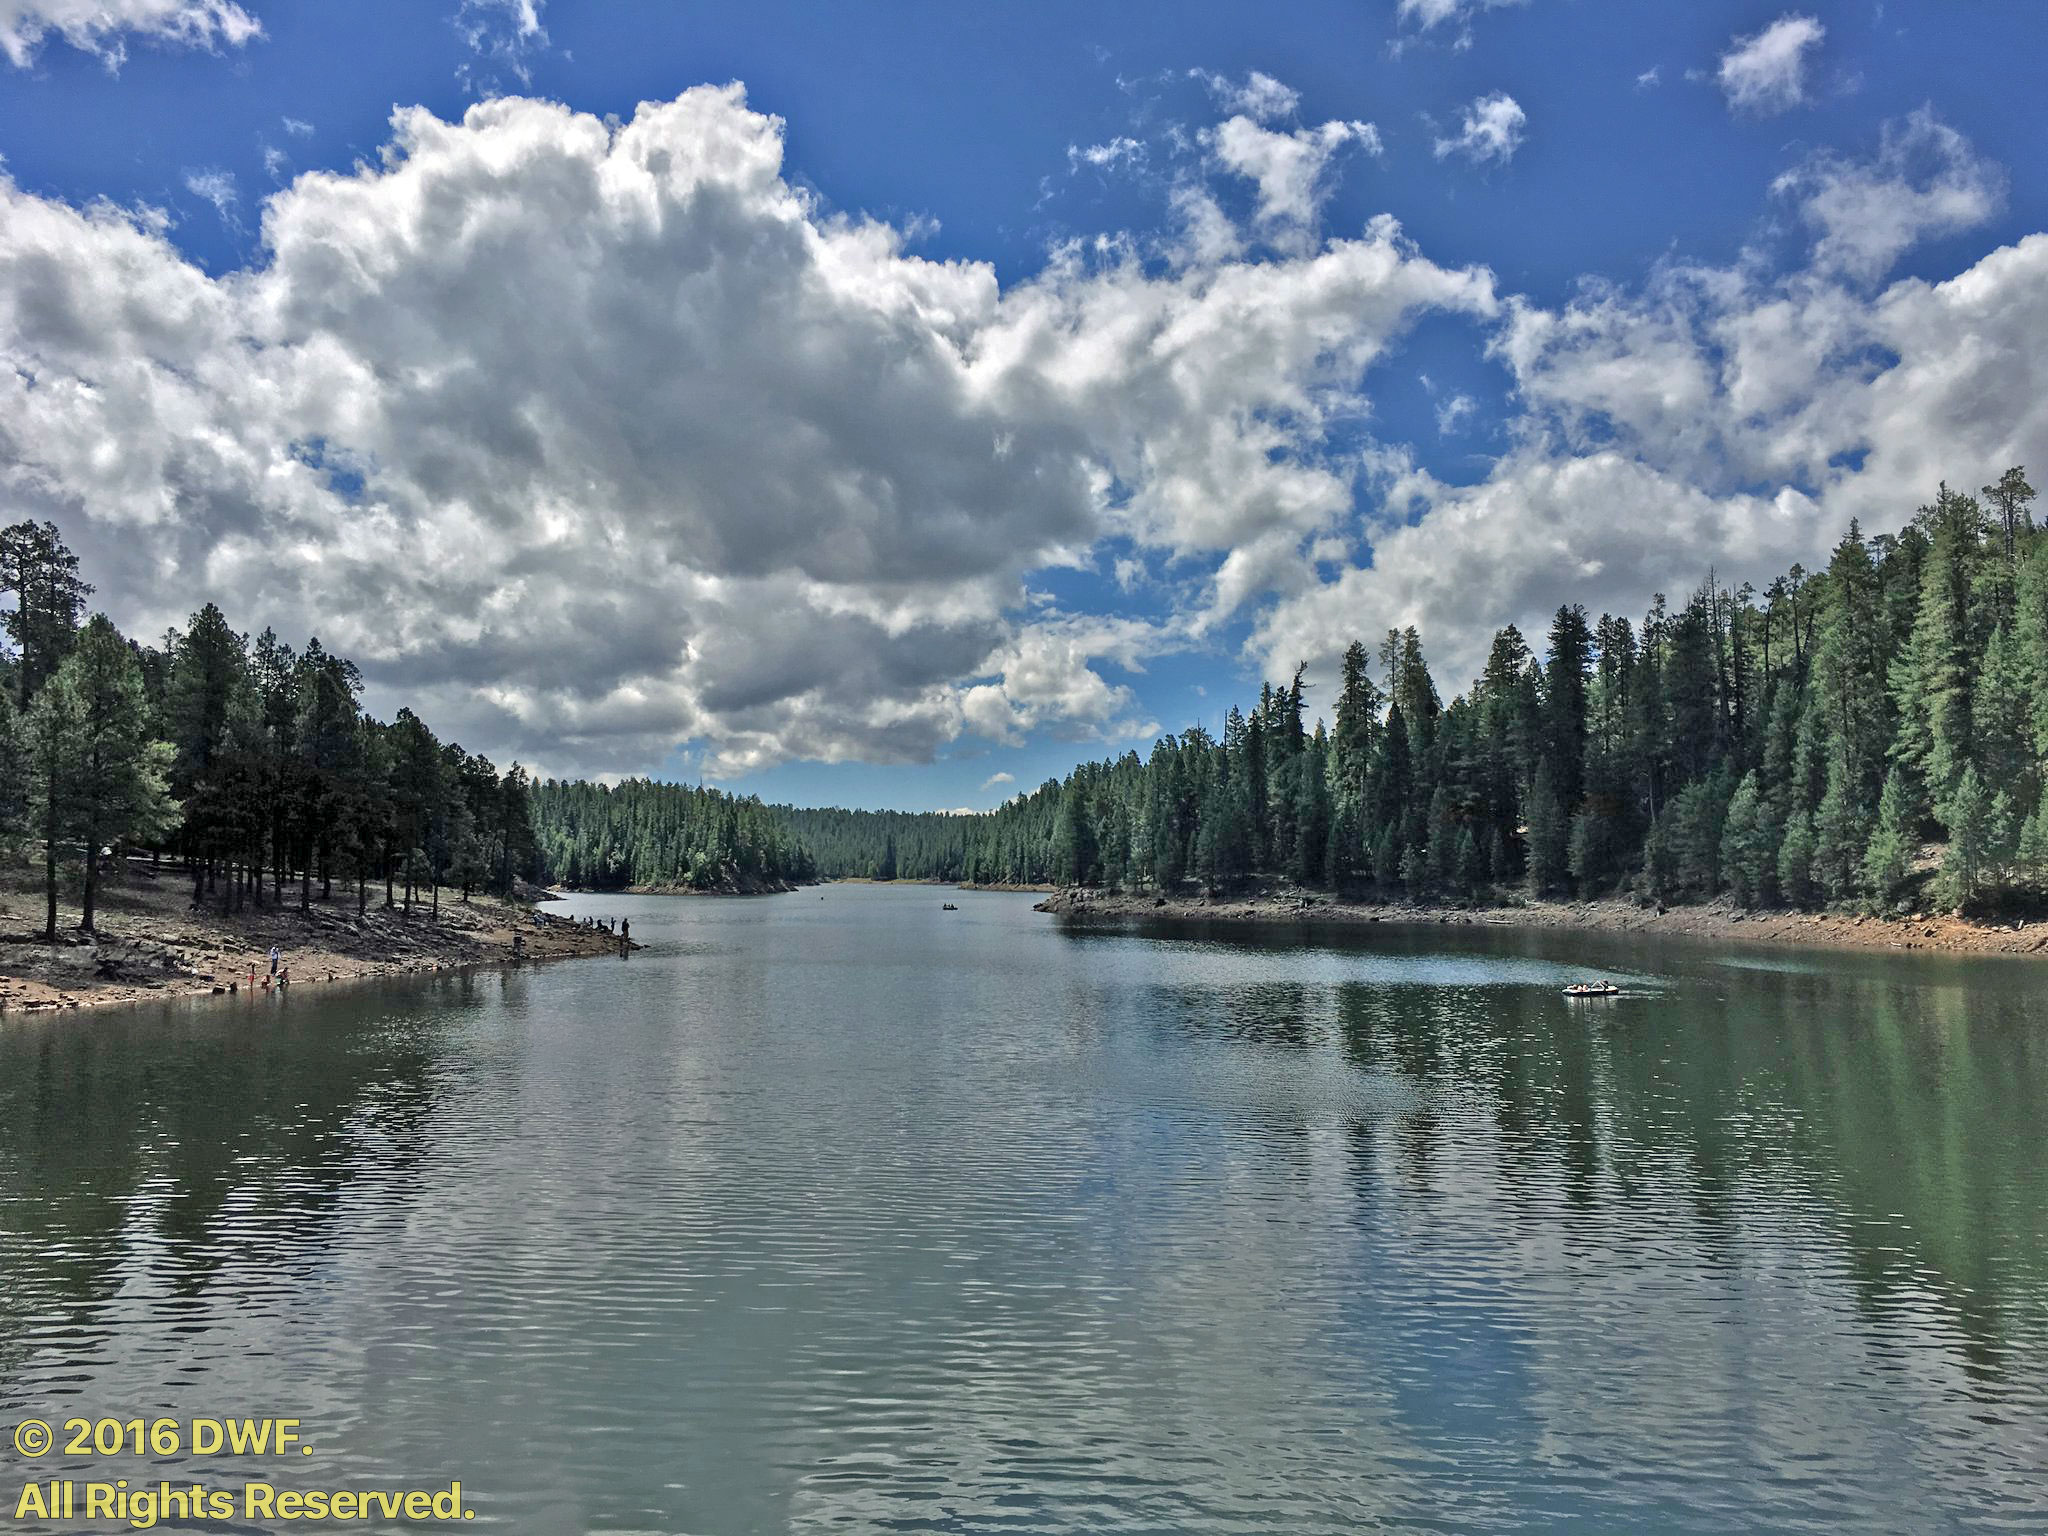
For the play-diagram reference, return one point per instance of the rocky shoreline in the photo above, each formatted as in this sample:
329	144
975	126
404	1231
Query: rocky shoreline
1719	921
152	945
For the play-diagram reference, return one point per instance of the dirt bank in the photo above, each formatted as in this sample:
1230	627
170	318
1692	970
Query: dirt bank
152	944
1719	921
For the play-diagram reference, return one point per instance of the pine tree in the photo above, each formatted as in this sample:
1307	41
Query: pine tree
1851	712
1968	815
1414	874
1549	833
1311	813
120	785
1470	871
15	777
1388	856
1440	857
51	737
1075	851
1889	859
1696	829
1748	845
1795	861
1564	703
1358	713
1932	680
1222	848
1841	835
2009	498
2000	711
2030	643
2031	853
49	600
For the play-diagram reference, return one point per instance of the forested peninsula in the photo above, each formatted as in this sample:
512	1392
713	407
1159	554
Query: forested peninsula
194	802
1869	739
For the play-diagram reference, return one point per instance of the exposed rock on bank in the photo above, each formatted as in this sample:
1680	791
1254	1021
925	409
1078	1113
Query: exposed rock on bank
151	944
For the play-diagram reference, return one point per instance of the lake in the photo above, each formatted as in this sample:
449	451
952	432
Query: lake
837	1211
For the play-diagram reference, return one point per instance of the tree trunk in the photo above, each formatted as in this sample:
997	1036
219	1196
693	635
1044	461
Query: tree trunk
326	873
50	876
92	876
388	900
437	899
362	893
306	883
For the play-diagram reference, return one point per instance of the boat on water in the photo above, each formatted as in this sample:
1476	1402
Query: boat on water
1591	989
948	907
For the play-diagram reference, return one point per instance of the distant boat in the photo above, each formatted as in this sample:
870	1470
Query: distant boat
1591	989
948	907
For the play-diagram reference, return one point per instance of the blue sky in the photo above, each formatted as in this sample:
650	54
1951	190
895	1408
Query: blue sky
1671	286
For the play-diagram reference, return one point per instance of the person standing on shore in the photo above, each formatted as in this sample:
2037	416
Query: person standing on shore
274	958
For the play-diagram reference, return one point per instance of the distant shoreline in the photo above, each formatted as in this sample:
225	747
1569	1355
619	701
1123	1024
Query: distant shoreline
564	892
1720	922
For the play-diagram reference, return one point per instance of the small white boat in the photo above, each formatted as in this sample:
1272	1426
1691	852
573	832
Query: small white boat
1591	989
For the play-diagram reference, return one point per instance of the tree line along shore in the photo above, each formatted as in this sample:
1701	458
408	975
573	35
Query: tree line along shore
195	801
1869	739
1858	746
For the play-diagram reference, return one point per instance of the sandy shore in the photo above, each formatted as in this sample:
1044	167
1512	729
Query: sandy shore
151	944
1719	921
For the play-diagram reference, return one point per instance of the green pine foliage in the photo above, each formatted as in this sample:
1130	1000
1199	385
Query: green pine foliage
251	761
652	836
1794	746
1889	858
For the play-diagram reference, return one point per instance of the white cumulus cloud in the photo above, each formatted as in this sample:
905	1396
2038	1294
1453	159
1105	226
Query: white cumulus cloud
1926	180
1258	96
591	438
1766	73
1491	129
1289	168
102	27
1455	15
1720	417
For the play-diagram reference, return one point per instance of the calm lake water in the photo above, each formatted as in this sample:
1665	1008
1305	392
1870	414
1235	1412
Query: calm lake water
858	1215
